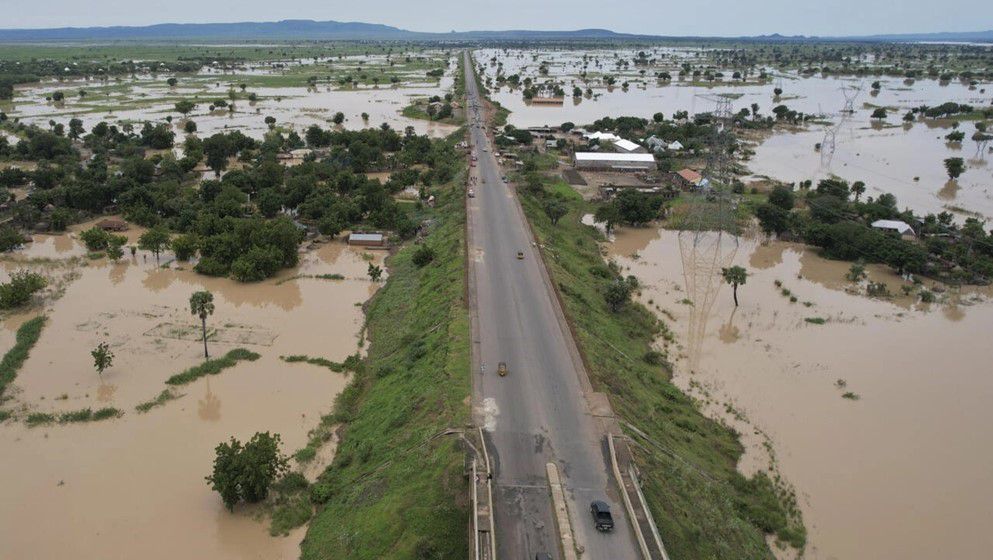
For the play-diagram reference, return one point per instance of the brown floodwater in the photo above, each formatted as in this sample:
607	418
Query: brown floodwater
134	486
905	471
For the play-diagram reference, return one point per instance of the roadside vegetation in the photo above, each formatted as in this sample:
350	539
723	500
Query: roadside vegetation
396	488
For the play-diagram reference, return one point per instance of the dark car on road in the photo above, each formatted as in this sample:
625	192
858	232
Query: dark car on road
542	556
602	519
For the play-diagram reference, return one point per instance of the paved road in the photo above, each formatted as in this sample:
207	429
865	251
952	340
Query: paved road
538	413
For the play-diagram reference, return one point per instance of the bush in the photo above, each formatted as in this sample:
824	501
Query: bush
95	239
245	472
23	284
423	256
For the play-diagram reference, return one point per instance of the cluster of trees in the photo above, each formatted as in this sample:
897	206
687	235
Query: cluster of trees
834	218
242	223
244	472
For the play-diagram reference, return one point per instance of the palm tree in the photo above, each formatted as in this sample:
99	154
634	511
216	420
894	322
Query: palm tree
736	276
202	305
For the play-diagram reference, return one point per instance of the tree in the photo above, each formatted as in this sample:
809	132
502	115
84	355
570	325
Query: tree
172	82
858	189
185	246
202	305
782	196
76	128
270	121
154	240
339	118
374	272
185	107
954	166
555	209
103	358
736	276
95	239
114	246
609	215
245	472
190	126
879	113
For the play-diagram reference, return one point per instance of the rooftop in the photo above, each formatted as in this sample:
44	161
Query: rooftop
601	156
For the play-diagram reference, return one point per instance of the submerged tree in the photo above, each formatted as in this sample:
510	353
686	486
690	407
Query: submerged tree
954	166
736	276
103	358
245	472
202	305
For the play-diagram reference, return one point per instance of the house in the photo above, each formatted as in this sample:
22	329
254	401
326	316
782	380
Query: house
675	146
627	146
687	179
614	161
602	136
901	228
655	144
551	144
113	224
374	239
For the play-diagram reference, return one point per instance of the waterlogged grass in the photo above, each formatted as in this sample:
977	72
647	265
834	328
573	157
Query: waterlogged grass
27	336
72	417
212	367
703	506
395	488
165	396
351	363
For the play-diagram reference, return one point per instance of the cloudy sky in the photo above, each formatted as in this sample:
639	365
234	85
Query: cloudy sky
657	17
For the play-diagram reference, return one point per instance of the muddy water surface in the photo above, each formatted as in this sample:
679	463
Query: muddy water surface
134	487
905	471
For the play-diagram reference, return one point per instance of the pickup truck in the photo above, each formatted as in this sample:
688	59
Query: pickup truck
602	519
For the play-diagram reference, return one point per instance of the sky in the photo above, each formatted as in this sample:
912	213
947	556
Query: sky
655	17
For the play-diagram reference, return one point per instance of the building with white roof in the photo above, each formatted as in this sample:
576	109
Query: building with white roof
615	161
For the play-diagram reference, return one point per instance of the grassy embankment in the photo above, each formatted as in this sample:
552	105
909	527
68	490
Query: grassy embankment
703	506
395	488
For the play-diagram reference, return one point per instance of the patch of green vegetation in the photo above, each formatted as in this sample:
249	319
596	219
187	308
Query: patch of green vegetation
27	336
291	501
396	489
851	396
88	415
816	320
212	367
702	504
4	415
352	363
39	418
165	396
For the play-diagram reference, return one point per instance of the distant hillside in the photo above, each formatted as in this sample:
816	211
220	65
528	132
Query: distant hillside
287	29
337	30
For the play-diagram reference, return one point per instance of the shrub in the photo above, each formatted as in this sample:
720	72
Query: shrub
245	472
23	284
423	256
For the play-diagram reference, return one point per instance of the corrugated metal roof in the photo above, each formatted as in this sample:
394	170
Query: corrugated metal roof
626	145
365	237
596	156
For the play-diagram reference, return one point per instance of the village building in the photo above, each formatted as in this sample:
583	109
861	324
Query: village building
903	229
687	179
372	240
614	162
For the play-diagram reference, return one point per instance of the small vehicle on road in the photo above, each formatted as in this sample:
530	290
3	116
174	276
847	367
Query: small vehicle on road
543	556
472	193
502	369
602	519
504	178
520	255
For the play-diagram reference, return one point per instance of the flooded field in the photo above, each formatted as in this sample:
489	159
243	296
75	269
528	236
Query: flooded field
277	89
902	159
875	410
134	486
